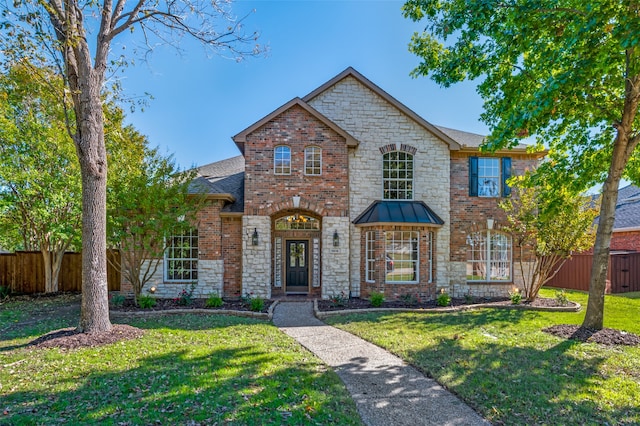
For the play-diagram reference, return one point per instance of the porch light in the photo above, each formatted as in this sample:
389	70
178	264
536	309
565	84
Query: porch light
254	237
152	290
489	224
336	239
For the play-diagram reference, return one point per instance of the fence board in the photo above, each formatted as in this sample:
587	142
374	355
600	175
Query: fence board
625	272
24	272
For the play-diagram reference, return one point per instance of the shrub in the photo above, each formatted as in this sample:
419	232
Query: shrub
561	298
410	299
257	304
213	301
340	299
5	291
515	296
185	297
146	302
116	300
443	298
376	299
468	298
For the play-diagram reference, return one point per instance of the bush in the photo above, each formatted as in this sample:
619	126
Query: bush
257	304
443	299
116	300
146	302
376	299
213	301
340	299
516	296
561	298
185	297
410	299
5	291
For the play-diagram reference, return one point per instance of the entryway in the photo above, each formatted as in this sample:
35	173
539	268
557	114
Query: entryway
297	267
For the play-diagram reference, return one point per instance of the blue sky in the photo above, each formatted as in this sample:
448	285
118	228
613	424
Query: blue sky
200	101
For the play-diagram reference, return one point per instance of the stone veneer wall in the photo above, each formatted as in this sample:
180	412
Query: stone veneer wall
210	274
335	260
375	123
256	260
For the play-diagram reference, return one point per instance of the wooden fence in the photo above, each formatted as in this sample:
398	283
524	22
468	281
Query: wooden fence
23	272
623	276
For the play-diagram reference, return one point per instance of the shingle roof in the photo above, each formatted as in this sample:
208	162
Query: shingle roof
628	208
223	177
469	140
398	212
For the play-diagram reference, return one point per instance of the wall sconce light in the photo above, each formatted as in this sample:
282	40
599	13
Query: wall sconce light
336	239
489	224
152	290
296	201
254	237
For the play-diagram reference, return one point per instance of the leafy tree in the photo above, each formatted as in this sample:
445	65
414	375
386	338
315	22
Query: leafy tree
151	203
565	72
547	224
77	36
39	174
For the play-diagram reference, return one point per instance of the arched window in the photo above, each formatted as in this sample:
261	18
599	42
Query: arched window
488	256
313	160
297	221
282	160
397	176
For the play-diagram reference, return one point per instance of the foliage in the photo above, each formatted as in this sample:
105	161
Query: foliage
5	292
146	301
443	298
561	297
548	224
468	298
565	74
116	299
339	300
59	35
515	296
186	369
255	303
213	301
185	297
376	299
410	298
512	373
153	200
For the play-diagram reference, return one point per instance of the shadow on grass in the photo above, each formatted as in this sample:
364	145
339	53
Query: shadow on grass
522	385
239	385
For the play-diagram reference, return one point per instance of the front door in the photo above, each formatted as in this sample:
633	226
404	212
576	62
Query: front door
297	266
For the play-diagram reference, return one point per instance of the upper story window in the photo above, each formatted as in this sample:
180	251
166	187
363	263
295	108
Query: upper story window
181	256
282	160
313	160
397	175
488	256
488	176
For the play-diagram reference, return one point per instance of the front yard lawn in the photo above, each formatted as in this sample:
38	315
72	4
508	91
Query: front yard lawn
503	365
186	369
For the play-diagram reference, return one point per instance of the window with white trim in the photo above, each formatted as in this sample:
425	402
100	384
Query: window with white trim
282	160
397	176
402	256
313	161
430	236
371	255
181	256
489	256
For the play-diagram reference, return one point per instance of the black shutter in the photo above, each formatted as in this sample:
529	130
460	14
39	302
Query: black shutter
473	176
506	174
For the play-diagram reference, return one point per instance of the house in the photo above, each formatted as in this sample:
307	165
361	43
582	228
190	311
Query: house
348	191
626	228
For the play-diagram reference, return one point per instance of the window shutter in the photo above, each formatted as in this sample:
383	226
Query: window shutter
473	176
506	174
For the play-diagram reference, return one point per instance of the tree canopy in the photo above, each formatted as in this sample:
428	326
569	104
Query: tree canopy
565	73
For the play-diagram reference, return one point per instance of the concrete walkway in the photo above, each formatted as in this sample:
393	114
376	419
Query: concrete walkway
385	389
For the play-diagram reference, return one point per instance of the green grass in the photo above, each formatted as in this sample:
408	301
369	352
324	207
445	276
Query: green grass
188	369
502	364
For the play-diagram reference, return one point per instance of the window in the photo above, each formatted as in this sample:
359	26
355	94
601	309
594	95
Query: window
430	255
488	176
397	175
401	256
313	160
181	256
282	160
371	255
488	256
297	221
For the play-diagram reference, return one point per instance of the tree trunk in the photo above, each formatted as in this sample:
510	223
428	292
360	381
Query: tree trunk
49	285
94	313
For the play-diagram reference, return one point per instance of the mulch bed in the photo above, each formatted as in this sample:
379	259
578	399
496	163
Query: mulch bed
71	338
357	303
171	304
606	336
